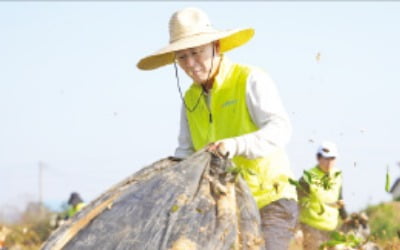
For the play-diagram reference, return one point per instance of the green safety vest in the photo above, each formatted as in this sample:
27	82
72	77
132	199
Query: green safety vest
74	209
318	208
227	116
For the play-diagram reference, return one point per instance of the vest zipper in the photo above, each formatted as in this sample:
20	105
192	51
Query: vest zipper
210	117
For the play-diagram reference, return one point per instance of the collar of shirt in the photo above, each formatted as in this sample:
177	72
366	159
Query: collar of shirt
224	68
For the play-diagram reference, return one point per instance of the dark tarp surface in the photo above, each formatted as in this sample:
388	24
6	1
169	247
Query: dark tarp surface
192	204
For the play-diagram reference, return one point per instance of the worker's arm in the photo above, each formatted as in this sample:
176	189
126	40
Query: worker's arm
342	209
304	189
267	112
185	145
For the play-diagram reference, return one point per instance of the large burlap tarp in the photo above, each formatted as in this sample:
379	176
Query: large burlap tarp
192	204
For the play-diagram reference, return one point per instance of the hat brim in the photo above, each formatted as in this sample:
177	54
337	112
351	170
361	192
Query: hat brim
228	40
327	155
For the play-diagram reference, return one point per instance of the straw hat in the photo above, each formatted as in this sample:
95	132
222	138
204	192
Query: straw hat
190	28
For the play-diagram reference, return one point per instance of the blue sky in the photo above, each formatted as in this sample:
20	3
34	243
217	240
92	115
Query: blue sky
72	98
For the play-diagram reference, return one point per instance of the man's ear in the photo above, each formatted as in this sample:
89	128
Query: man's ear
217	47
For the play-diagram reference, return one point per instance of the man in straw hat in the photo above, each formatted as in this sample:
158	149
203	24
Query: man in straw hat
234	110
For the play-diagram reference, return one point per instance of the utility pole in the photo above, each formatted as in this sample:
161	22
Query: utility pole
40	186
40	181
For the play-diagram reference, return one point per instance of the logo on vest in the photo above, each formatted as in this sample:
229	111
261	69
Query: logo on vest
229	103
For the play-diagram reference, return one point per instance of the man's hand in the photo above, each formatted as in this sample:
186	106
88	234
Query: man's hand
340	203
337	204
225	148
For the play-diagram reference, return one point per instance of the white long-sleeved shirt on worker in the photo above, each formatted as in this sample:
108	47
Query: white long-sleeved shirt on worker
267	112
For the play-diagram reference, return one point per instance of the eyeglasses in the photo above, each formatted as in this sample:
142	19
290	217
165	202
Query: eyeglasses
183	55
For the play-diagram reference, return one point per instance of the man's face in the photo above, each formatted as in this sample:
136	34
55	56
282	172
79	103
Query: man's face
326	164
196	62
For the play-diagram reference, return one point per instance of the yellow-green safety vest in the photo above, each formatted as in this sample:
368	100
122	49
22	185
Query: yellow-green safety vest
74	209
318	209
227	116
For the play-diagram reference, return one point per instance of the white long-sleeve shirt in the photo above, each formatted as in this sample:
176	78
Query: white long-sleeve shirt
267	112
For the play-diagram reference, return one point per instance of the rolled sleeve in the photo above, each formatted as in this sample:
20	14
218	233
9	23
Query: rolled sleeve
267	112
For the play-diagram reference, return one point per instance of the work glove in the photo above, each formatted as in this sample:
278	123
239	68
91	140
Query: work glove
225	148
